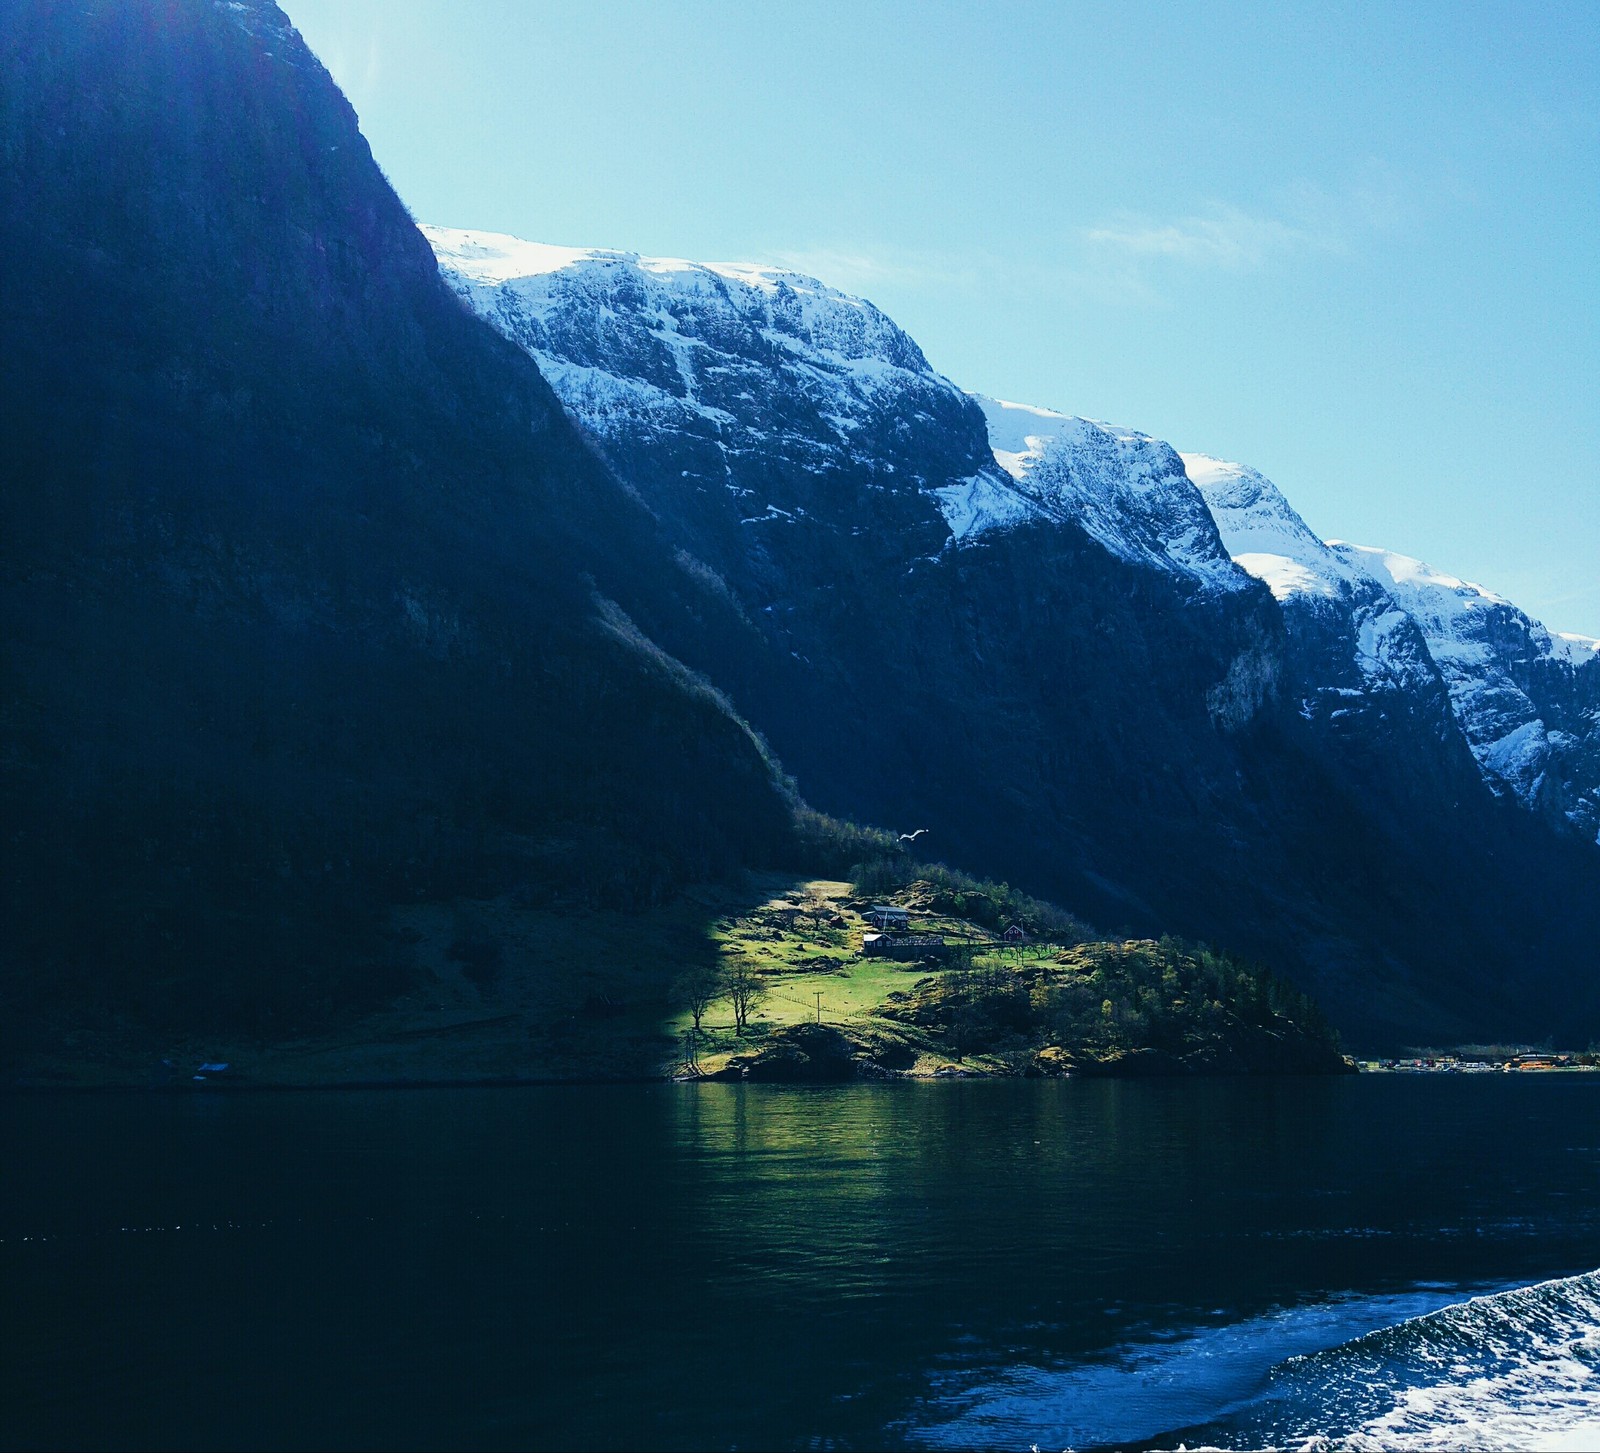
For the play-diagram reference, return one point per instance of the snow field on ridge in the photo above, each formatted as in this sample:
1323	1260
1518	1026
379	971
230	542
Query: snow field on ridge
629	341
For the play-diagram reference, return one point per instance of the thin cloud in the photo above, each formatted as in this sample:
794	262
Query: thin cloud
869	271
1126	260
1226	237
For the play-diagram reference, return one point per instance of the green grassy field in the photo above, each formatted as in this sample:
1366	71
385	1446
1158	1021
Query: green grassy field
811	967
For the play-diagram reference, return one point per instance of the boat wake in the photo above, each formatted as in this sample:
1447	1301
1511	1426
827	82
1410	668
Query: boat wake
1516	1369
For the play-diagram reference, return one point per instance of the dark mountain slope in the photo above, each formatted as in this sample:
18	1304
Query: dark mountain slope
1059	670
312	598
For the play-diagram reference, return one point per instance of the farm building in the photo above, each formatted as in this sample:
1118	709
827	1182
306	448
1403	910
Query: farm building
887	917
903	946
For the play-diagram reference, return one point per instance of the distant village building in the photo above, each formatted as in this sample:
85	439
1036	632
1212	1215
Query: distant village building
1015	934
887	917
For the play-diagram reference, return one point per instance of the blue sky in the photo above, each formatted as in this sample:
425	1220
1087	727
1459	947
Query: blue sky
1359	251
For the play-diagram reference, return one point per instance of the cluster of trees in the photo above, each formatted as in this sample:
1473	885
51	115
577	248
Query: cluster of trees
737	983
959	895
836	847
1099	998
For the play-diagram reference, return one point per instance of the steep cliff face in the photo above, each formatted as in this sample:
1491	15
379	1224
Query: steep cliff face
316	595
1026	632
1379	637
1129	491
312	596
798	444
1527	699
763	407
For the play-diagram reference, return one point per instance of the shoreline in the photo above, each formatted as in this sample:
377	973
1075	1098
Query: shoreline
35	1085
245	1084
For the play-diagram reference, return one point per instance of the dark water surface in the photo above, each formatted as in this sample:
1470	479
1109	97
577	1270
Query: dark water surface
736	1266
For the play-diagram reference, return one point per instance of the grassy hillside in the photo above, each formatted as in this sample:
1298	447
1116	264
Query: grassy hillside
507	989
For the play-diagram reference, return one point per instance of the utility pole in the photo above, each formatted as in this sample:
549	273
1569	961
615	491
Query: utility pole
818	993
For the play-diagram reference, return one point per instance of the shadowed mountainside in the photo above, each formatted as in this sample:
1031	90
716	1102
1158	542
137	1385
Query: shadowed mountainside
1041	650
317	602
313	600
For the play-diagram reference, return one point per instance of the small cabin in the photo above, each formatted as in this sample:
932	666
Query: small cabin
1015	934
889	918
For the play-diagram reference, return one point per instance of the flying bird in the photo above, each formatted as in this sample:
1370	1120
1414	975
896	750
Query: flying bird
911	837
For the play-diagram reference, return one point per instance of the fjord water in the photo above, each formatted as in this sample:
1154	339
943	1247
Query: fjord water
994	1264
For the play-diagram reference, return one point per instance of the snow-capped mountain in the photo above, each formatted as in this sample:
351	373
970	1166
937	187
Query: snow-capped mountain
1527	699
1135	680
759	363
764	386
1523	697
454	643
1364	645
1129	491
730	363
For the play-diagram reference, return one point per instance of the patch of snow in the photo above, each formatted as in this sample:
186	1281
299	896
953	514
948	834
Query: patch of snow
493	257
1019	433
1568	646
1409	574
1284	576
1126	489
982	503
1382	648
758	361
1263	533
1518	758
1459	619
1410	625
1499	664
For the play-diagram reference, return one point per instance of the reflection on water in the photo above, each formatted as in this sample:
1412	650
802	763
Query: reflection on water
676	1266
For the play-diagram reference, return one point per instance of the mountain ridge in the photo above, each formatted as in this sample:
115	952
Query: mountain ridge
322	600
931	588
1133	493
313	598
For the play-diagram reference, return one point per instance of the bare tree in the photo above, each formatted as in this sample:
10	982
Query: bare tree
744	991
697	990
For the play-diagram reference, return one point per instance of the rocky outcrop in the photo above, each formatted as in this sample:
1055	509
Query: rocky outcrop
820	1054
1381	642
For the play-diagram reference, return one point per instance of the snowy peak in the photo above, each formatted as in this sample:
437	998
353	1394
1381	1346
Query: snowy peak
1406	626
1128	490
763	379
1464	622
756	406
1263	533
1571	647
759	363
792	308
1369	646
1407	573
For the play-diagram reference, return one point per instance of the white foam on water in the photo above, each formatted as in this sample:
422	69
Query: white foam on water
1516	1370
1137	1392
